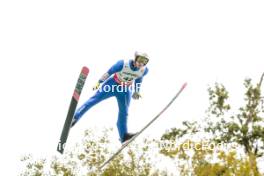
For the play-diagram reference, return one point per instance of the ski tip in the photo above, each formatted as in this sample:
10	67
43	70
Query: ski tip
184	85
85	70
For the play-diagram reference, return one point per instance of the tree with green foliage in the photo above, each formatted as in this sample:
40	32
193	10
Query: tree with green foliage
243	127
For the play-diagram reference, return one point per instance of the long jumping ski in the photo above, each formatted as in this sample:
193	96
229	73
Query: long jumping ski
134	137
72	108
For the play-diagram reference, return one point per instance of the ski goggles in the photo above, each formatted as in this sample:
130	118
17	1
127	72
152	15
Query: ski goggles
142	59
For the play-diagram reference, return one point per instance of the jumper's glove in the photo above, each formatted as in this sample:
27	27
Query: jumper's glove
96	86
136	95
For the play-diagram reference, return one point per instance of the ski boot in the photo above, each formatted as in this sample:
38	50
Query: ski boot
127	137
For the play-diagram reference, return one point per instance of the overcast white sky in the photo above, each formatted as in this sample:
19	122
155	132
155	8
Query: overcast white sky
44	44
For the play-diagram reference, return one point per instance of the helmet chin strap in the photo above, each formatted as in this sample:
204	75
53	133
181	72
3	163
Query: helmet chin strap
134	63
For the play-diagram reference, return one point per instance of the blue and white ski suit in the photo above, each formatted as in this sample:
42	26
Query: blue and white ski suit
117	78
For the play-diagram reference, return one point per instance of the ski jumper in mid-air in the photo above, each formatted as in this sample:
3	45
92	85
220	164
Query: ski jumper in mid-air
118	82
